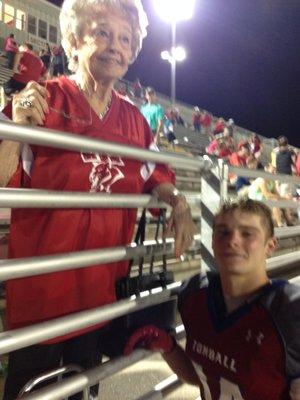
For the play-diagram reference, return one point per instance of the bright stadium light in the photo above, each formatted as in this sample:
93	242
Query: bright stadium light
178	53
173	11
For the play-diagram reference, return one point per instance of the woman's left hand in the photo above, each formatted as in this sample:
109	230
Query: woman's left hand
182	225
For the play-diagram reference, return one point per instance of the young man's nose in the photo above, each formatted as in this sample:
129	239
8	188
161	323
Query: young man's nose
234	237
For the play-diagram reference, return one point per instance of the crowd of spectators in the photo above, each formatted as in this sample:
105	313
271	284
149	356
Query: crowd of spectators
28	64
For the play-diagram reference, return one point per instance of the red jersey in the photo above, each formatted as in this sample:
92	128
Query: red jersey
38	232
31	68
251	353
237	160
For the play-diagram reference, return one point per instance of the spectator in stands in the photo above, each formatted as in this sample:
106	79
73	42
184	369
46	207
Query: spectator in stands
239	158
11	49
28	67
285	164
224	151
255	146
242	182
206	122
99	53
242	329
219	126
265	189
137	89
45	56
213	147
153	112
230	125
297	163
169	130
58	61
197	119
177	118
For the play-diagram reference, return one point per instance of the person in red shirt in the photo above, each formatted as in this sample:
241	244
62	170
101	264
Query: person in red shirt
27	67
239	158
197	119
219	126
11	49
85	104
206	121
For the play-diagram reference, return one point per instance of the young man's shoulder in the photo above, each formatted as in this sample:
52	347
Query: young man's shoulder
195	284
283	306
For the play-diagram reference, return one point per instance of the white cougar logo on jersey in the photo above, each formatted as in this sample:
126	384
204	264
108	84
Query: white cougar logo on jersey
105	171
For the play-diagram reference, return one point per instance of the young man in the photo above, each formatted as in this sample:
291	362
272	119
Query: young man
242	330
153	112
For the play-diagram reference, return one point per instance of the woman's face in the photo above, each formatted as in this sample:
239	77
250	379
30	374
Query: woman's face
105	49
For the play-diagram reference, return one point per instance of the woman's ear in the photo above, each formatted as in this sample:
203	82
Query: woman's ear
271	246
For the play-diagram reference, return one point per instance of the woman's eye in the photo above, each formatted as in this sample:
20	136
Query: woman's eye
102	33
126	39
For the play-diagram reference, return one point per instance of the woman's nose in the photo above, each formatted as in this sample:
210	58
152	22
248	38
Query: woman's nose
114	43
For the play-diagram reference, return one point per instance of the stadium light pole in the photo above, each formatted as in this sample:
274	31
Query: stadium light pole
174	11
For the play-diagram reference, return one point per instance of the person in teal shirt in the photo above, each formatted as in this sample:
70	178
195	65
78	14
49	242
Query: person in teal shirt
153	112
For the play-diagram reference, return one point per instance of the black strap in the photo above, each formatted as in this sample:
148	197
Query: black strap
140	238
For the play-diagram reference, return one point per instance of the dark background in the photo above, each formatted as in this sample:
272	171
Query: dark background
243	62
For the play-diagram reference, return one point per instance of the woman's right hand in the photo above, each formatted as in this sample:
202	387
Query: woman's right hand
30	106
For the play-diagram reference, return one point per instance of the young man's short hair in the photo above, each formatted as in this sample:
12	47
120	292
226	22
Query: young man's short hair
251	207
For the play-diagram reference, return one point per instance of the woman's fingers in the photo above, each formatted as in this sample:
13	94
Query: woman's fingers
30	105
182	225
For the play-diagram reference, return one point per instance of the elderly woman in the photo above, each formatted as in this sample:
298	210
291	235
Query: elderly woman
101	39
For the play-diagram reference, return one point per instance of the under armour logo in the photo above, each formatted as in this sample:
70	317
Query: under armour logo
257	337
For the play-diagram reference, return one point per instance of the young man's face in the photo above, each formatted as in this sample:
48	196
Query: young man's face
240	243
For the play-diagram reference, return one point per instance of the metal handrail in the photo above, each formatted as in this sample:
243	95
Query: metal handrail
76	384
249	173
92	376
32	266
276	264
51	138
18	338
287	232
28	198
163	388
50	375
40	332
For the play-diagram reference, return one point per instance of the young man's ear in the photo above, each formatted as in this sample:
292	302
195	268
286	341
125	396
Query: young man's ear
271	246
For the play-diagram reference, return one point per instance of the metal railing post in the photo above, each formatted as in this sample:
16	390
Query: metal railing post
213	192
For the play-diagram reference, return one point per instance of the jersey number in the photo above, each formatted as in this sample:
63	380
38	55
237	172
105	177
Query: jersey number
228	390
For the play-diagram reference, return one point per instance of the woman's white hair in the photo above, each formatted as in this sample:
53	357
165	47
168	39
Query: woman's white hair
75	14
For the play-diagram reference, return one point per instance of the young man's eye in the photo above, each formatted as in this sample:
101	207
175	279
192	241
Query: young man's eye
246	234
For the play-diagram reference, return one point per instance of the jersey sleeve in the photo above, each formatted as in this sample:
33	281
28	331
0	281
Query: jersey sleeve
190	286
284	308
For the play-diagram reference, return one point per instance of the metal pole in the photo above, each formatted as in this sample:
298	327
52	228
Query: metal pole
40	332
173	63
28	198
32	266
69	141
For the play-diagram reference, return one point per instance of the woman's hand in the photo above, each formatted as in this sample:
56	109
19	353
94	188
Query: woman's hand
182	225
30	106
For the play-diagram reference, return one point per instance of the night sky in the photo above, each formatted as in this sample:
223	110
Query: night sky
243	62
